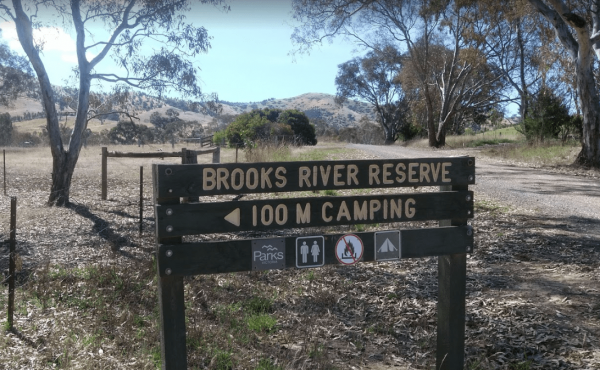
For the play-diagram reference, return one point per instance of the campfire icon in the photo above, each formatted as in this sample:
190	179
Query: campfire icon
349	252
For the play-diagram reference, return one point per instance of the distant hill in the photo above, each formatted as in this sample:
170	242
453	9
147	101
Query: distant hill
315	105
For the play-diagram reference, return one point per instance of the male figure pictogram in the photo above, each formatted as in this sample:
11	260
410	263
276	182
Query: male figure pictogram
304	251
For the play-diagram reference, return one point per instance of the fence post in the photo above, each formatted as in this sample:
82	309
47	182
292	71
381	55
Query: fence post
11	261
104	174
217	155
189	157
4	157
141	199
452	284
171	304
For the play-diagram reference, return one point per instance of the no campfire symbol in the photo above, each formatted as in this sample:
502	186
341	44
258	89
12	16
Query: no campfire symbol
349	249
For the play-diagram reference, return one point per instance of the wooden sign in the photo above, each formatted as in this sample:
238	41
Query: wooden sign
452	206
237	255
199	218
245	178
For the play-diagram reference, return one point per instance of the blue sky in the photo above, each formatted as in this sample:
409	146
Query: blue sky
250	56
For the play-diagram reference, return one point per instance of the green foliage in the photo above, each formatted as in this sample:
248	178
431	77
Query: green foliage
16	76
247	128
482	142
374	79
261	322
266	364
6	129
408	130
258	305
219	137
300	125
262	125
546	117
127	132
222	361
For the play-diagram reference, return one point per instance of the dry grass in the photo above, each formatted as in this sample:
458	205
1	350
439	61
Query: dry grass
539	154
38	124
495	137
81	305
509	145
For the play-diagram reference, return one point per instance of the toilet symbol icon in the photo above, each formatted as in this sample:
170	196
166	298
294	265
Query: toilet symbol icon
313	246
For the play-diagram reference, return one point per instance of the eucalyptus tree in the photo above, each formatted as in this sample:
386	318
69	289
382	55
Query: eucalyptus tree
515	45
415	26
16	76
577	27
373	78
129	26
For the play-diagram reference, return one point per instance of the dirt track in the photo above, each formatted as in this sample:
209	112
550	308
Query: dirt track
557	195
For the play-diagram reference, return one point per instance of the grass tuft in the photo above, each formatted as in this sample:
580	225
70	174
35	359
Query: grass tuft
258	305
222	361
266	364
261	323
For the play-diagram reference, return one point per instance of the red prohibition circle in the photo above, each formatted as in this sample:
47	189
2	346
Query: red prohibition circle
351	258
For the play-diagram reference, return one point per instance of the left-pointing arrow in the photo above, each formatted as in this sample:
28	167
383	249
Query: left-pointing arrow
234	217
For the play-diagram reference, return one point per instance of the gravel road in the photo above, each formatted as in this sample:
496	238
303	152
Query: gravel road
556	195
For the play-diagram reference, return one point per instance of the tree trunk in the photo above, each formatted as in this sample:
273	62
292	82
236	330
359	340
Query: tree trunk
441	136
431	131
523	91
580	45
62	173
389	136
590	141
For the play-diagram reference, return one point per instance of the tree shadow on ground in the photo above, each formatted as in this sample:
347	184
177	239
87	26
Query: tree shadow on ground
103	229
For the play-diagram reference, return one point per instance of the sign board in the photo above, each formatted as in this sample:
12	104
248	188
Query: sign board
237	255
454	204
245	178
349	249
199	218
387	246
310	251
268	254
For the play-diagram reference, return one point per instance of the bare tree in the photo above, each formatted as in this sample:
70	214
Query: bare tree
130	23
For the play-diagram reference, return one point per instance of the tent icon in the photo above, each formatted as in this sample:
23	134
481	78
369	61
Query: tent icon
387	246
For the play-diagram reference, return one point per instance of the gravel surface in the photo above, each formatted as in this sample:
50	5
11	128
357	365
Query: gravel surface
567	196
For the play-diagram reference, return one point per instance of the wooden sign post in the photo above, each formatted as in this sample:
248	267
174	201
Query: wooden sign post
452	207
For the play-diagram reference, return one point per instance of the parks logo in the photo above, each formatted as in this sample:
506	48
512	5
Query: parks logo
268	254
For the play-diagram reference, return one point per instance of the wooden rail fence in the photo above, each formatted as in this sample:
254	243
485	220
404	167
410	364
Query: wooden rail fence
202	141
187	157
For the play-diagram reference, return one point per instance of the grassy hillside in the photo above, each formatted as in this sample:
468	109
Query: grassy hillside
316	106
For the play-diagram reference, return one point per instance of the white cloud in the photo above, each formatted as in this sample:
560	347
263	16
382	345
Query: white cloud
72	57
69	58
52	38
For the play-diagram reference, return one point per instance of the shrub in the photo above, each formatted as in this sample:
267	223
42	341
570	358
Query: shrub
298	121
127	132
6	129
264	124
546	117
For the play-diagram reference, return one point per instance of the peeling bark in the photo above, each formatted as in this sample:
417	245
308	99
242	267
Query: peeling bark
580	44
